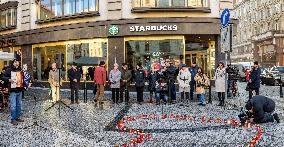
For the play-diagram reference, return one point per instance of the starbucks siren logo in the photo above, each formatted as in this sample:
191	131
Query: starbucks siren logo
113	30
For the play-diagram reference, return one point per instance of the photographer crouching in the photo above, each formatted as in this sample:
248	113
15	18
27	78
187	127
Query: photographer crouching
260	110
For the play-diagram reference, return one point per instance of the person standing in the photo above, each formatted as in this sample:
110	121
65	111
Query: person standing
15	77
184	78
152	78
27	79
114	79
139	78
54	83
74	76
171	73
193	71
124	82
220	82
100	81
201	82
161	89
254	81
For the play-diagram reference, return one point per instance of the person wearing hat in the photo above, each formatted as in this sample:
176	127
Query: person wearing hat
184	78
114	79
74	76
193	72
220	82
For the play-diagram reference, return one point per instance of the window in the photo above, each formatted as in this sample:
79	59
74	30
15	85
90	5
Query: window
83	52
8	18
163	3
154	51
56	8
179	3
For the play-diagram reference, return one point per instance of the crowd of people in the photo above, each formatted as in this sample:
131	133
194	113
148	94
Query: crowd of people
161	84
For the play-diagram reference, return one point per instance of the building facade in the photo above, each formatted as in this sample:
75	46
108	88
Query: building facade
260	32
132	31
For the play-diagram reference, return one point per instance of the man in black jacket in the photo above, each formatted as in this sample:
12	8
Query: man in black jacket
262	108
171	73
74	76
14	76
254	82
124	83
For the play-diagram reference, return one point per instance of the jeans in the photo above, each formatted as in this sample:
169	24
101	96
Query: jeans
192	88
159	97
172	88
251	90
15	99
201	98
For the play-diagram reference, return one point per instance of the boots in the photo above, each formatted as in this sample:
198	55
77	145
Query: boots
220	100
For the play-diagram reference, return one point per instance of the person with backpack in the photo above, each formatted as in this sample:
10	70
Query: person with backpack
139	78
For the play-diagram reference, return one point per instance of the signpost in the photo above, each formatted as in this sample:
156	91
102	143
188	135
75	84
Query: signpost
225	43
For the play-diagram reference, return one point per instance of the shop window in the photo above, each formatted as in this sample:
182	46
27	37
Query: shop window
155	52
8	18
163	3
56	8
86	53
180	3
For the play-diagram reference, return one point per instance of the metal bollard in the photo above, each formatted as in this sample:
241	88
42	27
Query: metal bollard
210	97
281	90
85	91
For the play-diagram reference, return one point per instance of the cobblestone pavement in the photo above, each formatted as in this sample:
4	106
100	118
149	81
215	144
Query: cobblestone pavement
87	125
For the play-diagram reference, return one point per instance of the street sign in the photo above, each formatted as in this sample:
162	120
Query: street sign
225	39
225	17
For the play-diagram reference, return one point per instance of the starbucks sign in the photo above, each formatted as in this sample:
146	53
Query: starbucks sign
153	28
113	30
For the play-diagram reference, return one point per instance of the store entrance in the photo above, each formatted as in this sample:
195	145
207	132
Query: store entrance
200	49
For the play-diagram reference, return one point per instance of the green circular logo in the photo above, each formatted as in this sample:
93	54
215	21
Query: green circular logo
113	29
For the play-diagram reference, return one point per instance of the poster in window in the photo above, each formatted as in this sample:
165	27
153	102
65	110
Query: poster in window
17	78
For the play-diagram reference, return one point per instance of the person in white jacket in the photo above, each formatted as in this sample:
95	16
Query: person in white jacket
184	78
220	83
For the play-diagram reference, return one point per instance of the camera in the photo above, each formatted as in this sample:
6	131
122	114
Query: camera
244	116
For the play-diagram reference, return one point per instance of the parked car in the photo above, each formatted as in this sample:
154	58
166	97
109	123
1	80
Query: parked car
274	76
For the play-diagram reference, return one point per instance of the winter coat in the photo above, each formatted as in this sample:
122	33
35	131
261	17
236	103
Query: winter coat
161	85
125	75
100	75
184	78
171	73
255	78
193	71
74	74
53	78
260	105
201	82
139	78
114	79
152	78
220	80
19	75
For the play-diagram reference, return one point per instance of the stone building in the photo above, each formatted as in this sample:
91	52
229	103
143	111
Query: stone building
260	32
132	31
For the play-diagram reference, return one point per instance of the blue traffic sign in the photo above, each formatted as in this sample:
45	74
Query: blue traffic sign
225	17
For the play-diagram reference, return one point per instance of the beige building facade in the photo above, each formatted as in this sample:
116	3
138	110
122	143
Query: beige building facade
132	31
260	32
